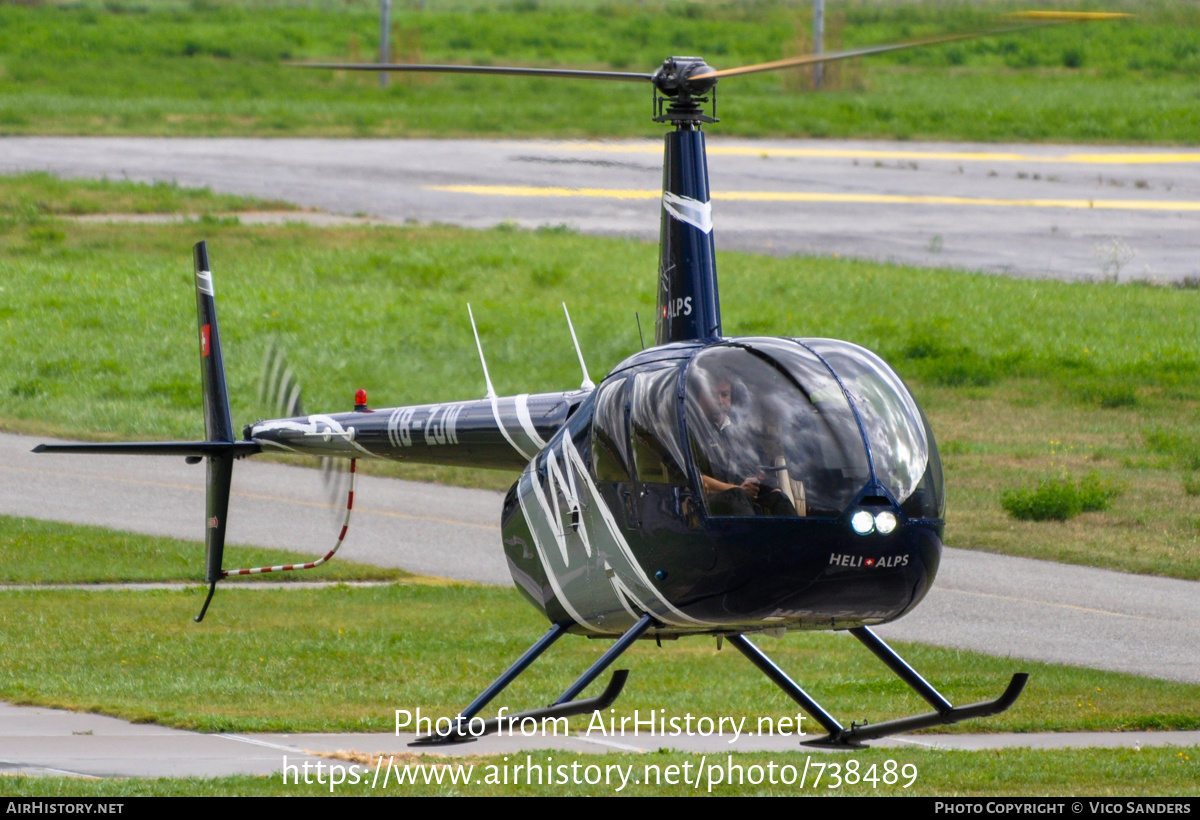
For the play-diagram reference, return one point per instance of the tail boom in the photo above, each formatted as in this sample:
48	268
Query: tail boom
496	432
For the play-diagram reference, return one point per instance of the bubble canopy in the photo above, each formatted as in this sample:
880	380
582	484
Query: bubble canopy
800	427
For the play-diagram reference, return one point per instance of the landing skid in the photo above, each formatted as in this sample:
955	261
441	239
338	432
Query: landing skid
841	737
565	706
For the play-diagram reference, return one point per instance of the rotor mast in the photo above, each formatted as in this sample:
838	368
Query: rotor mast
689	307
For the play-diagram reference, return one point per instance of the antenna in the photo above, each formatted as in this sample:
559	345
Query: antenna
588	384
491	392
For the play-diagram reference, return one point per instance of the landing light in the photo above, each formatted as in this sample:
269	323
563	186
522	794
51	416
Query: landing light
862	522
885	522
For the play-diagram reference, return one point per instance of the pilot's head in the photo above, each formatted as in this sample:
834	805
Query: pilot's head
716	398
723	393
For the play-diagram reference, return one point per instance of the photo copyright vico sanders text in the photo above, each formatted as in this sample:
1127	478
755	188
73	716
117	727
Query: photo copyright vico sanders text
1047	806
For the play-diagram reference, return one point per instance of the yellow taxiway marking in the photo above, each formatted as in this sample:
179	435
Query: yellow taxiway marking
1140	158
805	196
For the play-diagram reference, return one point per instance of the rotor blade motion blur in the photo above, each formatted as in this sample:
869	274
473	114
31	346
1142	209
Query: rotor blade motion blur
1025	20
1037	20
566	73
279	390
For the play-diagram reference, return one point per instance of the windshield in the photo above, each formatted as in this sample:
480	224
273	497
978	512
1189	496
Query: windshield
894	424
770	439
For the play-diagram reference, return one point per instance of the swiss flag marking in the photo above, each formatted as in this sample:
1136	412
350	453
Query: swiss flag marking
870	562
205	340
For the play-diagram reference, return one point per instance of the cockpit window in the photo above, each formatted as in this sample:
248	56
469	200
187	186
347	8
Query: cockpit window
610	454
929	499
654	428
893	422
772	437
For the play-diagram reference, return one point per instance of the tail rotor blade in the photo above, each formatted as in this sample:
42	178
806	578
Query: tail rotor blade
335	477
279	387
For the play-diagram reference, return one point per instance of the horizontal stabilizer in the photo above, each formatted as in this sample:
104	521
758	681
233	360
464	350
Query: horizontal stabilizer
237	449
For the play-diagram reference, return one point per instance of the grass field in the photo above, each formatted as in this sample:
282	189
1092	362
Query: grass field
137	655
41	552
1024	381
371	650
208	67
25	199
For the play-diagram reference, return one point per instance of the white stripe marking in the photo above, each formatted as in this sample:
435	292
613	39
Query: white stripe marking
204	282
550	576
623	545
527	421
692	211
503	431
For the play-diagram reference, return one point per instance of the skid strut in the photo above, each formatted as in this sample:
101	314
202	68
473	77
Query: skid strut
842	737
565	706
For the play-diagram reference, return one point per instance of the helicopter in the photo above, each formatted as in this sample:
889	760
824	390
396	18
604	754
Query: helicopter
709	485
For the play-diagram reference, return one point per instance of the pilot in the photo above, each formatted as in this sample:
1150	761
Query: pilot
728	455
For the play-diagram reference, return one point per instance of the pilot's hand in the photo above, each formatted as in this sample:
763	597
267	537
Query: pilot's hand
750	486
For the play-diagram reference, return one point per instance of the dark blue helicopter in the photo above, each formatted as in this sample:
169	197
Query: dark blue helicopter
709	485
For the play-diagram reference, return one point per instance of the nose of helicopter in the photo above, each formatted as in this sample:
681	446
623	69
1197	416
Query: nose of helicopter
814	573
840	521
755	483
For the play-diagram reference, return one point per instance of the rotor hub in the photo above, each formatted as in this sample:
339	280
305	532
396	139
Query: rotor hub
683	83
674	78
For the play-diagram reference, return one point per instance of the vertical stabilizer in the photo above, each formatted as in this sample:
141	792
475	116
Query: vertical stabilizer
218	421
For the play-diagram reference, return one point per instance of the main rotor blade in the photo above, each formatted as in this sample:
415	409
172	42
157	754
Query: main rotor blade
832	56
1038	20
620	76
1068	16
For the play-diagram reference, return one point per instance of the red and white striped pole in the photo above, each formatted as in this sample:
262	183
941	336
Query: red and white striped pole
311	564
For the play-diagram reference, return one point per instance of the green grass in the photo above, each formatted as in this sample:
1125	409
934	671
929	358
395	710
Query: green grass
42	552
384	308
1059	499
1151	772
161	67
1017	432
366	651
1021	379
26	197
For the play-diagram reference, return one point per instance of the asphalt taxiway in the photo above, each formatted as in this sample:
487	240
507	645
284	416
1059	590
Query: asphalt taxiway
1030	210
